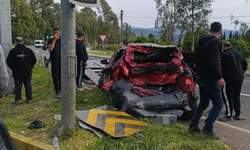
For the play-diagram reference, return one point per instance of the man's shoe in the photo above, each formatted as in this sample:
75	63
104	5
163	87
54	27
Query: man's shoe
29	101
210	134
17	102
58	95
225	119
238	118
194	130
80	89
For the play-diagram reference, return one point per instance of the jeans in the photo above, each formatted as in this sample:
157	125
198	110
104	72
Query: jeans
209	90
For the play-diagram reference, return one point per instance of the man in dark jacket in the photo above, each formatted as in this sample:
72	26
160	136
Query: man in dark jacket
21	60
209	78
54	45
234	66
82	58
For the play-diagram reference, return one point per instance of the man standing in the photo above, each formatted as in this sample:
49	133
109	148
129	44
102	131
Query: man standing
21	60
4	76
82	58
234	66
54	45
209	78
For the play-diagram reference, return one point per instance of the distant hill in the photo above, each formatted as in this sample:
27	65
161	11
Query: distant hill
155	32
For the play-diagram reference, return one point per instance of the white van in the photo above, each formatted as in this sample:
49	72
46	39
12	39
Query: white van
39	43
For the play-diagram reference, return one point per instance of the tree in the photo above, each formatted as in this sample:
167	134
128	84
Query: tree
186	15
166	19
109	22
50	13
87	22
230	35
128	34
151	35
187	42
23	22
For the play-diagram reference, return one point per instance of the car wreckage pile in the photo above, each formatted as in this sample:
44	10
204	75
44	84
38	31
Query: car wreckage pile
143	80
148	80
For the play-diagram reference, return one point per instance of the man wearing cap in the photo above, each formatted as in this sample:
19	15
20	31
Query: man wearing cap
82	58
234	66
54	45
21	60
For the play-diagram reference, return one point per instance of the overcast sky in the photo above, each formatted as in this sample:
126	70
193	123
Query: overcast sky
147	8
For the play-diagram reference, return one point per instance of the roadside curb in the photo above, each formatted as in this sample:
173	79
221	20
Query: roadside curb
24	143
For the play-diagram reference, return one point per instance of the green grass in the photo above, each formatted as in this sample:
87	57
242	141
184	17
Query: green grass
101	52
248	66
45	106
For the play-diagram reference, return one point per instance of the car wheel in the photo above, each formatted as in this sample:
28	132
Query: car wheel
192	104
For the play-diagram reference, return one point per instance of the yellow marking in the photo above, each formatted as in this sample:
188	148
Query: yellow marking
129	131
110	125
93	114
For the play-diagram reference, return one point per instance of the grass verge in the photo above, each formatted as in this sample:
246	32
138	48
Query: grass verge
101	52
45	106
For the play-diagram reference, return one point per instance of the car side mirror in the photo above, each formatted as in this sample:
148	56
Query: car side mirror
104	61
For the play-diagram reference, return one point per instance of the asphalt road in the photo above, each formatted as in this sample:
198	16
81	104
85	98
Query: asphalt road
235	134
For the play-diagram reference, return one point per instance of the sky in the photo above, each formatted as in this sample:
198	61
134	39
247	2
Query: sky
143	13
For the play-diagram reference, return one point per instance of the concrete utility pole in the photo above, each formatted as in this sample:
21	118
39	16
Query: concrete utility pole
5	36
68	65
121	28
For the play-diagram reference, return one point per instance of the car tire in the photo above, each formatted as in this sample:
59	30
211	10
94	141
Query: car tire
192	103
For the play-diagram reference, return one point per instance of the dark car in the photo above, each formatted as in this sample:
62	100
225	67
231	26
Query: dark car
147	80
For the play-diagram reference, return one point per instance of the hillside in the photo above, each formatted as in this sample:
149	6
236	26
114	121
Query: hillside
146	31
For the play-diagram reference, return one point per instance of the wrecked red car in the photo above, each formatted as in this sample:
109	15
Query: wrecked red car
147	80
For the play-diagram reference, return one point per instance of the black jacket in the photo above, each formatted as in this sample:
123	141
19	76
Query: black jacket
21	60
55	54
208	59
81	52
233	65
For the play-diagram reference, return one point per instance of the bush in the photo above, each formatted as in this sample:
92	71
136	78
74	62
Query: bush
113	47
241	45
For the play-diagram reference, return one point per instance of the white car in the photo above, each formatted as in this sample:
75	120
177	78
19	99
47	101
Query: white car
39	43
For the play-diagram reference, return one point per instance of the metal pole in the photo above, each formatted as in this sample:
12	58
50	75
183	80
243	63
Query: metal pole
68	65
122	28
5	36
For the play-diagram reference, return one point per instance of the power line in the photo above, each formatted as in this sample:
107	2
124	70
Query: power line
140	17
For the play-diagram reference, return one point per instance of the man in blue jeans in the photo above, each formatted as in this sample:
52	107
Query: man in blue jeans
210	81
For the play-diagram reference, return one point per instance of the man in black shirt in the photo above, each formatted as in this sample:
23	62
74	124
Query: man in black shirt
234	66
54	45
82	58
209	78
21	61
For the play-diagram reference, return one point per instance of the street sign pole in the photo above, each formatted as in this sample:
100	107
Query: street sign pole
68	66
103	38
5	36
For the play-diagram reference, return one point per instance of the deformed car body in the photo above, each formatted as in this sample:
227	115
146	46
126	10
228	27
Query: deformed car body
147	80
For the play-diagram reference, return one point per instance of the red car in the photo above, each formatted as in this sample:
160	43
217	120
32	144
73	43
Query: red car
149	80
